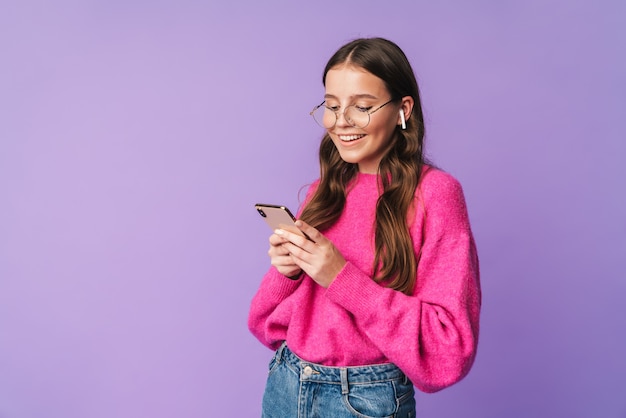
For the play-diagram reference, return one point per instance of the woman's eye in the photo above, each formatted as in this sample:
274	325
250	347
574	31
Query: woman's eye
333	108
363	108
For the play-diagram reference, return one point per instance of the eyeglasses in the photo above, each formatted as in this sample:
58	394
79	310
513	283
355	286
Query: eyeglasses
357	116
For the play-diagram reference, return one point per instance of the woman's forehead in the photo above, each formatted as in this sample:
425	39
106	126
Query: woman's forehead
352	81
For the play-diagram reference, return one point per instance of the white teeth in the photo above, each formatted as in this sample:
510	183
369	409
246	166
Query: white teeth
350	137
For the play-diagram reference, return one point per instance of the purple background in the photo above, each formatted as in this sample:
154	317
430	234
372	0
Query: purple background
135	138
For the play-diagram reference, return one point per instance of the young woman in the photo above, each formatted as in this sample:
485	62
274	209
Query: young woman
385	294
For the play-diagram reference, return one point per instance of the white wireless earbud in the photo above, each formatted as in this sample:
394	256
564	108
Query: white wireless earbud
402	119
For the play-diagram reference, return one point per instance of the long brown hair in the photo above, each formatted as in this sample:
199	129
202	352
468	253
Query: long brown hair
395	261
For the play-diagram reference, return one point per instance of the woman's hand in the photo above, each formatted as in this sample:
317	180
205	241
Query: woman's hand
280	257
317	257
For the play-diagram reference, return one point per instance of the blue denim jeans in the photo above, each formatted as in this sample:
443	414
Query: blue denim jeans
299	389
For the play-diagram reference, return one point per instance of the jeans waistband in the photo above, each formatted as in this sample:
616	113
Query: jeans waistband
352	375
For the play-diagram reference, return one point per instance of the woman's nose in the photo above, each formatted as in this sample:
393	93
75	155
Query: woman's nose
342	119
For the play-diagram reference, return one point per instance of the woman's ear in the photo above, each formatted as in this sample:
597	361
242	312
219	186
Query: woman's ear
406	108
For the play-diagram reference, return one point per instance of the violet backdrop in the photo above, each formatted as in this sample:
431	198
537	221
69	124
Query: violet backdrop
136	136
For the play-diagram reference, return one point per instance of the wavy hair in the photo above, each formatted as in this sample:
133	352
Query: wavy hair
395	262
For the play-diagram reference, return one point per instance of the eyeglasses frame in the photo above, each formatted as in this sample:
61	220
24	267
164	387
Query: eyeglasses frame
337	112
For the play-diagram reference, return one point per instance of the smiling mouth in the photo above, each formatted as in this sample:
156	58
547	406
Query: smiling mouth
350	138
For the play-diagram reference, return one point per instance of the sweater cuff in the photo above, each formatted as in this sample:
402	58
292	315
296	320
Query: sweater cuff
279	285
354	290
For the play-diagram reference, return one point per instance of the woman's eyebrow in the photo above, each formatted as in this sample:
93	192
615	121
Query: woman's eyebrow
354	96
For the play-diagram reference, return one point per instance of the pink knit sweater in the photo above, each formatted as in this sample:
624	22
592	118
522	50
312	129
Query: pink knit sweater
430	335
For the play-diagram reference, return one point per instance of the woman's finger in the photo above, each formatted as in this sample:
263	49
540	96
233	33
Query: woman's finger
295	239
315	235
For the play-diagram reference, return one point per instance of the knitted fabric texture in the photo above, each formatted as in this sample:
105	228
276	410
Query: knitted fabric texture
431	335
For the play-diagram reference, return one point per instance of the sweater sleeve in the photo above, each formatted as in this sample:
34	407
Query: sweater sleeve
274	289
431	335
266	321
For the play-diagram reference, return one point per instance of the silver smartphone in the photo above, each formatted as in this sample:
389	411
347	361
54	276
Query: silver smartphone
278	217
